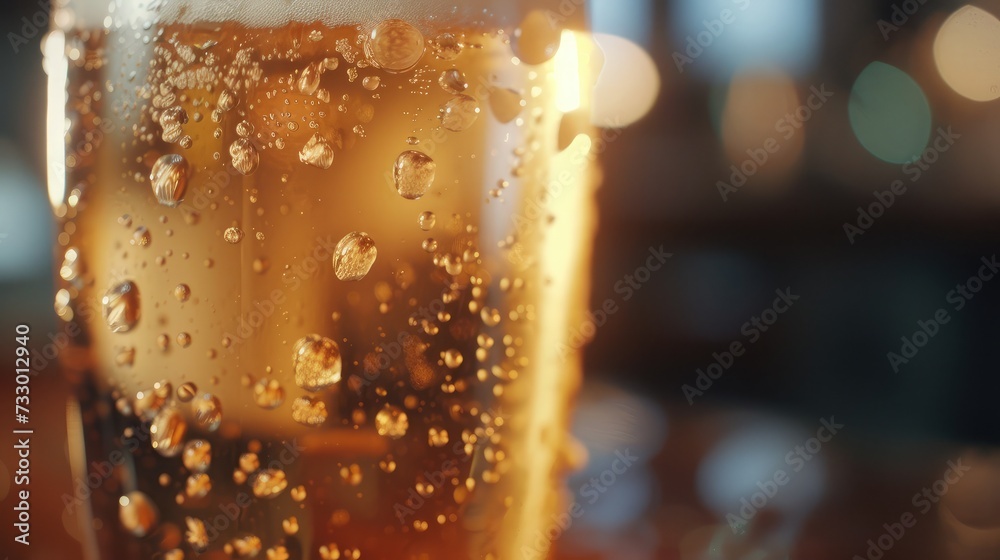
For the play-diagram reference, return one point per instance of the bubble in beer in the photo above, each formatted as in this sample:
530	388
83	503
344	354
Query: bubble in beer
244	129
354	256
196	535
290	525
537	39
394	45
317	362
248	546
268	483
308	81
452	358
426	220
233	235
391	421
413	173
208	411
184	339
71	265
309	411
171	120
430	245
244	155
299	493
197	455
182	292
148	402
187	392
198	485
268	393
137	513
437	436
459	113
505	104
121	306
167	432
317	152
227	100
371	83
447	46
168	179
453	81
141	237
249	462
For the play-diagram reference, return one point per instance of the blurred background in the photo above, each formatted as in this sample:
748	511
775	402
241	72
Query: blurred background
825	176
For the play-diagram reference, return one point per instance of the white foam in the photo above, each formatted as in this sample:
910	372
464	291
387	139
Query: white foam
275	13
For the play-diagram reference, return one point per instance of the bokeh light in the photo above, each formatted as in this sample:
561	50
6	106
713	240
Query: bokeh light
890	114
628	84
720	37
967	53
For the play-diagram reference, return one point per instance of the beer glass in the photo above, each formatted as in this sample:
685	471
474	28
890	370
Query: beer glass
322	260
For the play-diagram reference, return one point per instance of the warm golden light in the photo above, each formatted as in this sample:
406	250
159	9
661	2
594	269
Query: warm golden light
567	69
628	84
967	53
56	67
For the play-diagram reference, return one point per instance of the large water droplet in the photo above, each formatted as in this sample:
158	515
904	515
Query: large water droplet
506	104
245	156
268	483
121	306
317	152
414	173
208	411
317	362
268	393
197	456
309	411
536	39
453	81
391	421
167	432
137	513
354	256
168	179
459	113
394	45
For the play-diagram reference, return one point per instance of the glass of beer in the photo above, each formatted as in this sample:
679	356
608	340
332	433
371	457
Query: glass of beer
322	260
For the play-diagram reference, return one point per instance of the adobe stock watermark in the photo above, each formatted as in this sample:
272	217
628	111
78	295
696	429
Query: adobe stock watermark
752	331
959	298
592	490
797	459
901	14
786	127
923	502
696	45
626	288
884	200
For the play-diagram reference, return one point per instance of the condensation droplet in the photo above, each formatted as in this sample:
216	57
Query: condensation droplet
121	306
244	129
187	392
268	393
414	174
184	339
208	411
309	411
506	104
536	39
459	113
168	179
227	100
426	220
317	152
394	45
233	235
447	46
453	81
167	432
244	155
354	256
452	358
141	237
198	485
171	120
317	362
137	513
182	292
197	455
371	83
392	422
437	436
430	245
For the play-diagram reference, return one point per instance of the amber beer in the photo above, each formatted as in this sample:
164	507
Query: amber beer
323	269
